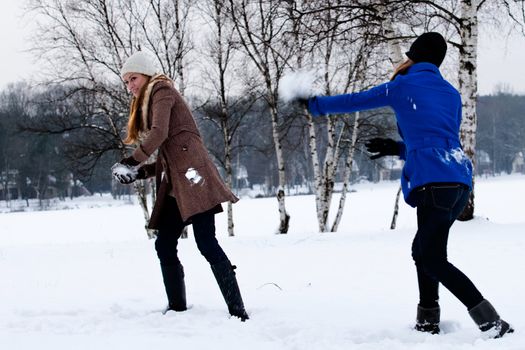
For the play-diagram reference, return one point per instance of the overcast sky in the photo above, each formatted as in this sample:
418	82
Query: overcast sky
500	60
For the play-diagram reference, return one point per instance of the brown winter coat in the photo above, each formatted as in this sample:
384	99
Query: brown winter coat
183	168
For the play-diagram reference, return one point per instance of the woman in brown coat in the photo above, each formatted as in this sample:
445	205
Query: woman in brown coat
189	187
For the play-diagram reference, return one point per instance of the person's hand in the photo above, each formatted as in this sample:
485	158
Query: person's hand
130	161
141	173
124	174
303	102
125	179
382	147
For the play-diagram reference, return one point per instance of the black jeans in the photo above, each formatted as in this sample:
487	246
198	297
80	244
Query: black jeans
170	230
438	206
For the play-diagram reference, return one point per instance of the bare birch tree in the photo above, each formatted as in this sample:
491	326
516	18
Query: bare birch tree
262	27
342	54
347	173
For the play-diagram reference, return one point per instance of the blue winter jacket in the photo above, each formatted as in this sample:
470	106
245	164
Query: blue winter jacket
428	113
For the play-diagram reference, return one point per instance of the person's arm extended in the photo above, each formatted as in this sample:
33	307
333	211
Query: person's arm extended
376	97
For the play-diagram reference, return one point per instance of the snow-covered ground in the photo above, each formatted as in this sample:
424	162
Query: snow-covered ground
89	279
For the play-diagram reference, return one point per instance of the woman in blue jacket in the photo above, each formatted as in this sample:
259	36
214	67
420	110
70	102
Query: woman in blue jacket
437	176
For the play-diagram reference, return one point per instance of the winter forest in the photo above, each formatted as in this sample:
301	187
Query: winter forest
228	58
303	175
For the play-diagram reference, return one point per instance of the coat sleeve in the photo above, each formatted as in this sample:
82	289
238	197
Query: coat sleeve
162	101
149	169
376	97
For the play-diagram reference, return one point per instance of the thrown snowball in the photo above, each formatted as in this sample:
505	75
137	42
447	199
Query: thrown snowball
296	85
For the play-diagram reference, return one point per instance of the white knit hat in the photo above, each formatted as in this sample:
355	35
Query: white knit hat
139	62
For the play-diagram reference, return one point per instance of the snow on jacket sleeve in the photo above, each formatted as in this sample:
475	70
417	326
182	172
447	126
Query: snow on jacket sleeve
376	97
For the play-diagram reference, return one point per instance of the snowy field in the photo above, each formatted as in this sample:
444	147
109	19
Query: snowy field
88	278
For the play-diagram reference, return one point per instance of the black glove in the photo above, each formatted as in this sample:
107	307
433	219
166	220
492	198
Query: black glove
141	173
303	102
130	161
126	179
124	174
383	147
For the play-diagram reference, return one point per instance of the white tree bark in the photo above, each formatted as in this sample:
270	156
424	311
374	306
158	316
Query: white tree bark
468	86
180	32
314	156
389	32
229	176
347	175
140	189
396	210
325	173
284	217
223	48
396	58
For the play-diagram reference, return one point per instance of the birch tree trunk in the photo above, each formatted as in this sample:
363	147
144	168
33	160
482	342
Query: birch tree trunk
396	58
179	36
284	217
325	173
220	50
396	209
468	87
140	189
389	32
327	179
347	175
314	156
228	169
299	44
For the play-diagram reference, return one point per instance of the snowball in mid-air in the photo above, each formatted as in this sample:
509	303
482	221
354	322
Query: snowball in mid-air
296	85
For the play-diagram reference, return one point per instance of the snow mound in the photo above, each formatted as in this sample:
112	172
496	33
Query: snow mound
298	84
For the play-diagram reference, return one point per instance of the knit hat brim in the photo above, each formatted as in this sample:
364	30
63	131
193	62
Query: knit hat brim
428	47
139	62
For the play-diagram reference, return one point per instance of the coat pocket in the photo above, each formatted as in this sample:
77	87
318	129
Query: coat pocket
445	197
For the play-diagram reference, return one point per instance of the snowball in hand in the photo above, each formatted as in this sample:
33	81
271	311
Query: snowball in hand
119	170
297	85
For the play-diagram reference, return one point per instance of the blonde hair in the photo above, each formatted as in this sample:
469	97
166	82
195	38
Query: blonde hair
402	68
135	120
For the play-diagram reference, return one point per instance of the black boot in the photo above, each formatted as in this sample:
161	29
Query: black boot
225	275
173	276
427	320
488	319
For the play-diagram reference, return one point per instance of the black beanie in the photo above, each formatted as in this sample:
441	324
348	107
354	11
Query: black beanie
428	47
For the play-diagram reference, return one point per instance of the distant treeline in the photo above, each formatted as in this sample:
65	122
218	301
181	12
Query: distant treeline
36	162
501	132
